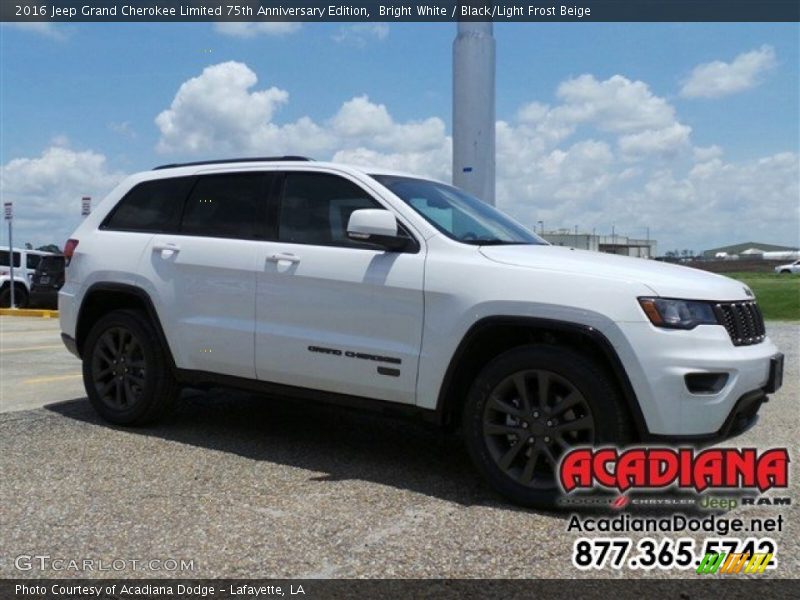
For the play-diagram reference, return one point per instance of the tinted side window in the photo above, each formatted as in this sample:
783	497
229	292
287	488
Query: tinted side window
152	206
316	208
230	206
4	258
32	260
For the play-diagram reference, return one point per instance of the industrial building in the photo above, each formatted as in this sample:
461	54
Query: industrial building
752	250
611	244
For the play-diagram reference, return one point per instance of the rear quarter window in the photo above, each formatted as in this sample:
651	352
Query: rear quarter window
152	206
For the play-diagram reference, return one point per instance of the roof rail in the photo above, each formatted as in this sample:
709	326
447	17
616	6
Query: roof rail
232	160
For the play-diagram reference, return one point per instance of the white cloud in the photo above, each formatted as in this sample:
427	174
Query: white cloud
220	111
722	202
617	105
717	79
47	190
53	31
250	30
533	113
364	122
359	117
666	142
565	163
217	110
360	34
707	153
645	123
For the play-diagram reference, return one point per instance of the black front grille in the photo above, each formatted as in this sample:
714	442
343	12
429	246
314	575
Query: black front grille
743	320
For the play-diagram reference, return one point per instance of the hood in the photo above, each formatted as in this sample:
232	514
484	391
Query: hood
666	280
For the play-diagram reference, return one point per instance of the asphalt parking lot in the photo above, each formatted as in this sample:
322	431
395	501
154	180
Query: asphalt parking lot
251	487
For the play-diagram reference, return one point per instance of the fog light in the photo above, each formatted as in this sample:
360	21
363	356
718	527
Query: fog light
705	383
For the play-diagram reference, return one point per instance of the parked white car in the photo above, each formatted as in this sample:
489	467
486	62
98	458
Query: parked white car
367	287
25	263
790	268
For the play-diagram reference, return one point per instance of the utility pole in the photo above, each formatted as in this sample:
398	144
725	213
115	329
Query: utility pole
474	110
9	215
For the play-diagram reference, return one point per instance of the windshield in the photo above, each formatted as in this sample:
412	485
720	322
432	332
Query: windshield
457	214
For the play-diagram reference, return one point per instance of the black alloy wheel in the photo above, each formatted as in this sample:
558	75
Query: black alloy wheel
127	371
529	406
531	418
118	368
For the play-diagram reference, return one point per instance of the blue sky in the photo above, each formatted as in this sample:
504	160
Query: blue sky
88	95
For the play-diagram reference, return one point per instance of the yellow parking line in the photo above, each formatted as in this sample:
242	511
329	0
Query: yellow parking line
29	312
31	348
36	380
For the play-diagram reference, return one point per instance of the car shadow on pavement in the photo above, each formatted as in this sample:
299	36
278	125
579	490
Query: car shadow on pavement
343	444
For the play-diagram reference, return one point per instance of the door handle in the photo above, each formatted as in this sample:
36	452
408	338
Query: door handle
284	256
159	246
167	249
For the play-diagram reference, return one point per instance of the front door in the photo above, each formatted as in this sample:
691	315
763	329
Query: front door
333	314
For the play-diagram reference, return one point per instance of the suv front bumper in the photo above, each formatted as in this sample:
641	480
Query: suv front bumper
662	358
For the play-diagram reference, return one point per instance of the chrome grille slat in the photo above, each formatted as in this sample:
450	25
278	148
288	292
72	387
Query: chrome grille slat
743	321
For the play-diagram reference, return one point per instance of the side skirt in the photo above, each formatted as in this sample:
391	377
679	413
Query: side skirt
203	379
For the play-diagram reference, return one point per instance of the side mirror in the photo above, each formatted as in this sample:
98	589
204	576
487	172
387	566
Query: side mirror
375	226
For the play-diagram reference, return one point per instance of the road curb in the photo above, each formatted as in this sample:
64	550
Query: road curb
29	312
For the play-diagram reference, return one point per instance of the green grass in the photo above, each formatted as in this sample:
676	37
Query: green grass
777	295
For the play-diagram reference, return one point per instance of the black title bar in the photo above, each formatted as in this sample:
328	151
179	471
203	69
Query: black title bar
393	10
730	588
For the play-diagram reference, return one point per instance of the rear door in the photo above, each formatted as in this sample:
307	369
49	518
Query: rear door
333	314
205	273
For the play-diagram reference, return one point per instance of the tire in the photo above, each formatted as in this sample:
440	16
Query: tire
20	297
140	386
786	271
495	430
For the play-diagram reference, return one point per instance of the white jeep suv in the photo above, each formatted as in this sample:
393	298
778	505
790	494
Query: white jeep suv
372	288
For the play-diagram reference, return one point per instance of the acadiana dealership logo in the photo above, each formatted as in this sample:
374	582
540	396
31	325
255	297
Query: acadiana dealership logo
684	468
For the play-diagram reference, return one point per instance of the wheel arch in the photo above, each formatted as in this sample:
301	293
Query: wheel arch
103	297
20	287
491	336
17	283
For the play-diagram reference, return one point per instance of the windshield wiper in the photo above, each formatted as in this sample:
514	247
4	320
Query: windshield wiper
499	243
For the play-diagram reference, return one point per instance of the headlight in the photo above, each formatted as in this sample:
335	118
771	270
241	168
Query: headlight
678	314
